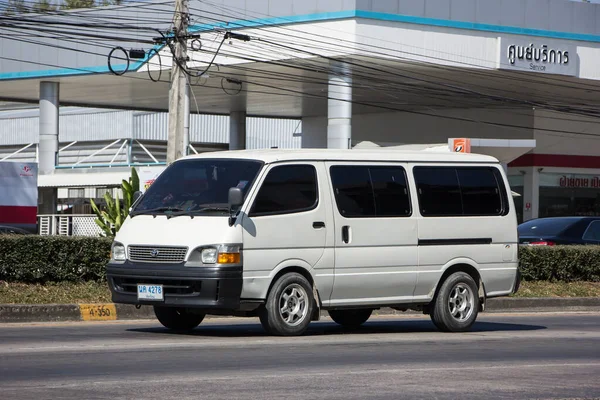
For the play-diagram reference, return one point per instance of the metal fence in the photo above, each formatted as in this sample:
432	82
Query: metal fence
68	225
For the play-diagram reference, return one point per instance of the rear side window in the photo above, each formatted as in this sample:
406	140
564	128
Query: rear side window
480	191
460	191
370	191
287	189
593	231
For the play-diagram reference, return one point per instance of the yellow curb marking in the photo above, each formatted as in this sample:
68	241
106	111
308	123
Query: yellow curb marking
98	312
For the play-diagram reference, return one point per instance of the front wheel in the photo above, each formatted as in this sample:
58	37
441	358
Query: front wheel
289	306
350	318
456	305
177	319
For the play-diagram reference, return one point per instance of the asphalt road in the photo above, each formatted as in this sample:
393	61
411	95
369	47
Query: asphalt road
541	356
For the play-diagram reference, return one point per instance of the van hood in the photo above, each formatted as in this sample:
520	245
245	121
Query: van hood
178	231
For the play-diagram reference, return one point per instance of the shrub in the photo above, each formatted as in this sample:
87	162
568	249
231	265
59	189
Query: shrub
560	263
41	259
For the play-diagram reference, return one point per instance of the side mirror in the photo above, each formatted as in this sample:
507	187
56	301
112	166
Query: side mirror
235	200
136	195
236	197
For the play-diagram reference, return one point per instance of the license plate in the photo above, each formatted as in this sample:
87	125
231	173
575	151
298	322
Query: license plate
150	292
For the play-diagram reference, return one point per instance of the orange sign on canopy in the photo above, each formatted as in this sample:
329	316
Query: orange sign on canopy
461	145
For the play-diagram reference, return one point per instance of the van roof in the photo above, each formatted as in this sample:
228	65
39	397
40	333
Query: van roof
275	155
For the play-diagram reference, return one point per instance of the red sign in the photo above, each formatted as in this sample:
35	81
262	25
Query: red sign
574	182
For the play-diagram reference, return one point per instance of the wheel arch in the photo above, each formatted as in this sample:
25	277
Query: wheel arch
302	268
467	266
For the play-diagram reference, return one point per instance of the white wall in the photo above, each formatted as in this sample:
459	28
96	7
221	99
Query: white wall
408	128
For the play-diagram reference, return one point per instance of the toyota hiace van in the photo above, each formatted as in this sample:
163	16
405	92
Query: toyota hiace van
284	234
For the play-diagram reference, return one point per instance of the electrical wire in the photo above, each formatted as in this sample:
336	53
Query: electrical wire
301	93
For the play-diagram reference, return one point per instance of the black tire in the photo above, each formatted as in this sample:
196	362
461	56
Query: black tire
456	315
299	305
177	319
350	319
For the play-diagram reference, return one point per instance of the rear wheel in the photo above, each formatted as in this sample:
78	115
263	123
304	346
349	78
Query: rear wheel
178	319
456	305
289	306
350	318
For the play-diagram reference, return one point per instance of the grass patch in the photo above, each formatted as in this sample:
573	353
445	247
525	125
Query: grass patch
558	289
54	293
93	292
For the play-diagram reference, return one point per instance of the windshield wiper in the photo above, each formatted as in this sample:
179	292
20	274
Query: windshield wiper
156	211
191	213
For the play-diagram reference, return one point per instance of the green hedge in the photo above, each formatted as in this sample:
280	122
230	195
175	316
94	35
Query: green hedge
560	263
40	259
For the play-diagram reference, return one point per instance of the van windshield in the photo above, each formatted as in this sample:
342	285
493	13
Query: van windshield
197	186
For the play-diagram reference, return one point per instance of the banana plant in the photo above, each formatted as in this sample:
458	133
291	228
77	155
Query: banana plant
111	217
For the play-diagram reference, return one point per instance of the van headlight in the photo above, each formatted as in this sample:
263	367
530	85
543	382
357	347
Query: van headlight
224	254
118	252
209	256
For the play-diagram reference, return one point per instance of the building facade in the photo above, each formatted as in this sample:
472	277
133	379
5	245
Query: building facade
341	72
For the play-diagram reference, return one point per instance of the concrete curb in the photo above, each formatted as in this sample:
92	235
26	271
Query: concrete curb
107	312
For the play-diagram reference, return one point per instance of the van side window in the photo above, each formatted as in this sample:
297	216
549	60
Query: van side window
480	191
370	191
438	189
460	191
287	189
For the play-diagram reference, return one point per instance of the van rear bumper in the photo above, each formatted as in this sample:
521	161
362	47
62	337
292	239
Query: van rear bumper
217	287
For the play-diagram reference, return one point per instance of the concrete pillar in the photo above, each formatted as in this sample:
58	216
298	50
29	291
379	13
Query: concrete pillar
237	130
531	193
48	149
339	109
186	121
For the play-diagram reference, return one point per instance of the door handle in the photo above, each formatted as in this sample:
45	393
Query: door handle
318	224
346	234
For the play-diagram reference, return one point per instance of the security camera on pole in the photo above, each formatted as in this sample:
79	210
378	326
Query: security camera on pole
178	95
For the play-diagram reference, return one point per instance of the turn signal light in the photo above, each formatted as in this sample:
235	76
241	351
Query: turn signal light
229	258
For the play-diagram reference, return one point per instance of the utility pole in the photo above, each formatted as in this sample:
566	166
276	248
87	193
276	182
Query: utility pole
178	92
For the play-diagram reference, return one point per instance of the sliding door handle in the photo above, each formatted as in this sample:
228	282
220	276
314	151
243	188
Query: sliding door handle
346	234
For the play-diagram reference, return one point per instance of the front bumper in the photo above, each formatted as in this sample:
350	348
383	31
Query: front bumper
216	287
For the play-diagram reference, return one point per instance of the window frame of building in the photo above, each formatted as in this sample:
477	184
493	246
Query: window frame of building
315	204
69	196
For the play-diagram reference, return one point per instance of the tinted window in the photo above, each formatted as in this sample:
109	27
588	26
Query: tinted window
449	191
390	192
480	191
286	189
438	189
353	193
546	227
368	191
200	185
593	231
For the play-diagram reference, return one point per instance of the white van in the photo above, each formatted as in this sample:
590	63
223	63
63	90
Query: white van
284	234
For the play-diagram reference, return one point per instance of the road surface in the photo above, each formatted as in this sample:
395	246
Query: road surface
506	356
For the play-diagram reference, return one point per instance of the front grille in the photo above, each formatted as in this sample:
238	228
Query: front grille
170	286
157	254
